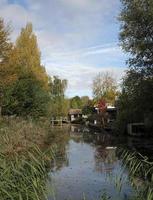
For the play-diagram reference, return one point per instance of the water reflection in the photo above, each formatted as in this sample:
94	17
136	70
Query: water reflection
105	159
87	163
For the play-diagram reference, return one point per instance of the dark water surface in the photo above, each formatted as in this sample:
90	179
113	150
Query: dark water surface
88	166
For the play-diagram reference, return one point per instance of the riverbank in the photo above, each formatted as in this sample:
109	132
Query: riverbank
27	149
18	134
34	156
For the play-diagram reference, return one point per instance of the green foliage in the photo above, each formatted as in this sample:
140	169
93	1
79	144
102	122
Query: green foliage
27	149
84	100
140	173
59	105
23	176
76	102
79	102
136	34
105	196
23	80
88	108
5	44
136	100
29	54
5	49
26	97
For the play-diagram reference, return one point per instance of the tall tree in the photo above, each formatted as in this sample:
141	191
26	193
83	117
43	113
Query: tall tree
104	87
136	37
25	82
5	49
136	34
59	104
29	57
5	44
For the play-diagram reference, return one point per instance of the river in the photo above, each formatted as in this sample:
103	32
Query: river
88	166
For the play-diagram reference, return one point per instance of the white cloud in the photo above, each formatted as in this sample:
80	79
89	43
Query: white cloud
68	31
80	77
108	50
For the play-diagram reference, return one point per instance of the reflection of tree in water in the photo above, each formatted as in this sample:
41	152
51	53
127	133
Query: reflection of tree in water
76	133
59	139
105	159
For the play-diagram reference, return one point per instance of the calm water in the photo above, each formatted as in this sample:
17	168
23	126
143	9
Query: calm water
87	165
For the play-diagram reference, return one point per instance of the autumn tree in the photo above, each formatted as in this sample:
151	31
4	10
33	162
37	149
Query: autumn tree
28	94
29	56
104	87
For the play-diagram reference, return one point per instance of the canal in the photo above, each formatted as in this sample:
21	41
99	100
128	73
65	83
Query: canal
87	165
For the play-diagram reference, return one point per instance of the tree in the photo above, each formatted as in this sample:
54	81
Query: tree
59	105
84	100
76	102
88	109
5	49
5	44
26	97
136	37
105	87
29	54
136	34
24	80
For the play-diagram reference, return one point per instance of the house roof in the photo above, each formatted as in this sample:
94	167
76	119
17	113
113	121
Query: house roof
75	111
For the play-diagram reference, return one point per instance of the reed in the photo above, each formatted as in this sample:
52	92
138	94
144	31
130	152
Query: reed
23	159
140	174
23	176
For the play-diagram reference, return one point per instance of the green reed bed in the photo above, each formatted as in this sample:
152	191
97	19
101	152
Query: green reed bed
140	174
23	177
23	162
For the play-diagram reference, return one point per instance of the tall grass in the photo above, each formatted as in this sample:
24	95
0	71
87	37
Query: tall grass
23	177
23	160
140	174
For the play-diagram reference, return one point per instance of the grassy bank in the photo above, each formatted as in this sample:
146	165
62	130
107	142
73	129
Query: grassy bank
18	135
25	155
27	148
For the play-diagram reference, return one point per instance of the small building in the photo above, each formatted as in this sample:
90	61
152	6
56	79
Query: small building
104	119
74	114
111	113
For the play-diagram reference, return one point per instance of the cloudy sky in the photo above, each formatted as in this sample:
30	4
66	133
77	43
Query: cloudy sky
77	38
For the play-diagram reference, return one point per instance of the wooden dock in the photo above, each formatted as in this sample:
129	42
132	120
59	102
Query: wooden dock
59	121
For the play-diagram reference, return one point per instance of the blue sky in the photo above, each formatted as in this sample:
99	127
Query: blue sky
77	38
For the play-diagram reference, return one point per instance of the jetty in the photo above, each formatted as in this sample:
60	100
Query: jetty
59	121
